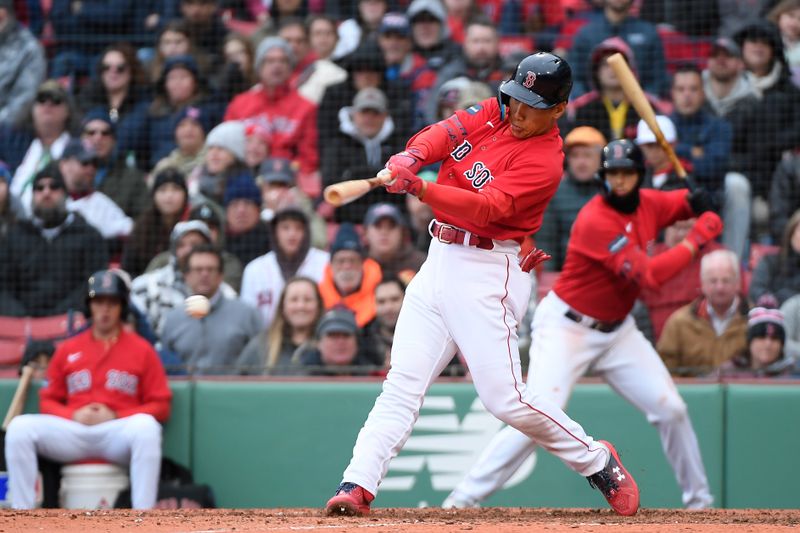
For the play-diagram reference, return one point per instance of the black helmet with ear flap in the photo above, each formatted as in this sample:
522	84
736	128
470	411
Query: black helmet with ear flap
621	154
107	283
541	80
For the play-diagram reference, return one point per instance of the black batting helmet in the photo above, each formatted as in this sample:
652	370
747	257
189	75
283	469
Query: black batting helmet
107	283
541	80
621	154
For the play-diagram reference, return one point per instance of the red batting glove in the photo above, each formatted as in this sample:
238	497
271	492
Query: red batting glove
404	180
534	258
411	159
707	228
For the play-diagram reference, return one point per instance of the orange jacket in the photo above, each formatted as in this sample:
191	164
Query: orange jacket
361	302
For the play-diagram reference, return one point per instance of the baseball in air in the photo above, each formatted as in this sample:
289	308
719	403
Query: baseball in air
197	306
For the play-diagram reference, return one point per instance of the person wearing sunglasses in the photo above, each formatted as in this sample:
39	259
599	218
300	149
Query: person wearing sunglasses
38	140
78	165
124	184
118	89
47	259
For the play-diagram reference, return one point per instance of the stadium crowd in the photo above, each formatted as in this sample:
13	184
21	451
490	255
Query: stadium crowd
186	143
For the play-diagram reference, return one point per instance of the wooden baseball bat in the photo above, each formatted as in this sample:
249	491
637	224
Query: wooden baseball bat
344	192
635	94
20	395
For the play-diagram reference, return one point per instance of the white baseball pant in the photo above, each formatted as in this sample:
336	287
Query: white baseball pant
134	440
471	299
561	352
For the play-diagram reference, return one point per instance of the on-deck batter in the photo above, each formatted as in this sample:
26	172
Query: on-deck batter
502	165
588	311
105	395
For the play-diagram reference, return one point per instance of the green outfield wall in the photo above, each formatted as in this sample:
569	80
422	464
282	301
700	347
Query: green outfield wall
285	444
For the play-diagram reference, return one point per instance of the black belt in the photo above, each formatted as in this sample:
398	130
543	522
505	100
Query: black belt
449	234
603	327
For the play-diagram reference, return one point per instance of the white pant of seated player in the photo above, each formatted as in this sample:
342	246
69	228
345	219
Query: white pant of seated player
134	440
561	352
470	299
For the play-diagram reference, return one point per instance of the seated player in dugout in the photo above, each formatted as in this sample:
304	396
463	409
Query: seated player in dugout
502	161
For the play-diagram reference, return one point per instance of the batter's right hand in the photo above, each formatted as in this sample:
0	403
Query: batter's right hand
707	228
410	159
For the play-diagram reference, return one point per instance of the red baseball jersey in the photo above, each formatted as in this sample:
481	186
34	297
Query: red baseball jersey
607	252
126	376
490	157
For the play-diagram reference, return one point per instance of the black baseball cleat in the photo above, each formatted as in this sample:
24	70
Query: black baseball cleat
616	484
350	500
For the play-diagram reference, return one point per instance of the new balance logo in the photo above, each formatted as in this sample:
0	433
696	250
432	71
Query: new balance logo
444	448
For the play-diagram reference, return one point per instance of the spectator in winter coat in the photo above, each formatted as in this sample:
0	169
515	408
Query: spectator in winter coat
582	147
702	335
264	277
765	355
224	159
30	146
365	139
480	60
120	90
430	34
604	106
206	28
179	86
704	141
322	72
791	313
775	121
350	278
777	276
158	292
405	65
78	166
22	65
246	235
388	238
363	27
273	104
124	184
276	350
379	334
151	230
784	195
659	170
192	125
338	349
641	36
211	344
45	261
786	16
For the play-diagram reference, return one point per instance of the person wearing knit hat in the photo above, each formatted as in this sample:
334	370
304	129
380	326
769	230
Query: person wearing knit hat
191	125
351	277
765	356
275	101
224	159
247	236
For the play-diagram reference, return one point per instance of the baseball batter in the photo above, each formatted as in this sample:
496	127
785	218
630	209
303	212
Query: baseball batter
501	164
588	311
105	395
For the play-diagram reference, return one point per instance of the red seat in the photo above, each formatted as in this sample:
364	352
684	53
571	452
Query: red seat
511	44
55	327
11	351
12	327
757	251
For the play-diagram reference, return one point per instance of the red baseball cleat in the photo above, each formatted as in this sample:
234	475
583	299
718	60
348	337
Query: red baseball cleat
616	484
349	500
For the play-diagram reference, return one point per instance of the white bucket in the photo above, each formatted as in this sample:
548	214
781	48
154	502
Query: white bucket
91	486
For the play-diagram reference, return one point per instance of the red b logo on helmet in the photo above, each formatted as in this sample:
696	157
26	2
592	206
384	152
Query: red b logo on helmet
530	79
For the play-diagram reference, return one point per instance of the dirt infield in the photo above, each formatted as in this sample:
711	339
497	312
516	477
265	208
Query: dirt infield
503	520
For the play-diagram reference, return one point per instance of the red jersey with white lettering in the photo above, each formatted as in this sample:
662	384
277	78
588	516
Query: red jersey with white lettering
607	252
126	375
527	171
